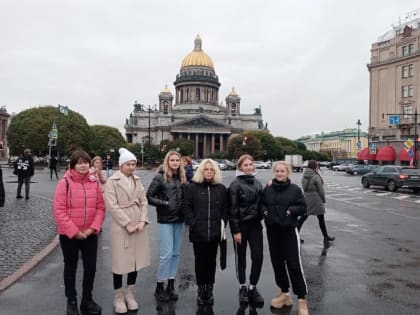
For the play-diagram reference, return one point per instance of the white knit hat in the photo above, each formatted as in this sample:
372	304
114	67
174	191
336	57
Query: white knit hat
126	156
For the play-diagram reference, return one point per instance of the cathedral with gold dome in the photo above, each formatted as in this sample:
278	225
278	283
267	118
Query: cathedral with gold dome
196	113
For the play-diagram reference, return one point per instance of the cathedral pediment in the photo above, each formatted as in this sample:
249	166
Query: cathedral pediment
199	122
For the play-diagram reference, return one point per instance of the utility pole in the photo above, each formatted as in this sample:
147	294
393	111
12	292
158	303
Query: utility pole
359	145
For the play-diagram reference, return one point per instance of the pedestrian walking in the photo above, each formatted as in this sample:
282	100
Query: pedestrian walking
96	169
109	166
282	204
79	212
126	201
24	169
53	166
312	184
187	164
2	193
245	217
165	193
206	210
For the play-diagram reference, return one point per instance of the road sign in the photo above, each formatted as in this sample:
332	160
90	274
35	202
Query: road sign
408	143
394	120
54	134
359	144
372	148
411	154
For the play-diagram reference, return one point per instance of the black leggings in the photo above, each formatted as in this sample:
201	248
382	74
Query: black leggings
131	279
321	221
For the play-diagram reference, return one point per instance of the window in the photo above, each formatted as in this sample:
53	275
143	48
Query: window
165	107
233	108
407	111
197	94
407	50
407	90
407	71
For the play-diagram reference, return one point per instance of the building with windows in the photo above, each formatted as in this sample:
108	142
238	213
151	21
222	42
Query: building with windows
194	111
394	99
4	122
339	144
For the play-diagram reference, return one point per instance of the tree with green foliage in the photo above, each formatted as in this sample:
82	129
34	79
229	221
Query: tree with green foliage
183	146
105	138
271	149
30	128
239	145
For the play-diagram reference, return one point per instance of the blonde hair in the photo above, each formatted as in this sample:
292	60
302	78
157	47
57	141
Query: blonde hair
167	171
199	173
285	164
96	158
242	159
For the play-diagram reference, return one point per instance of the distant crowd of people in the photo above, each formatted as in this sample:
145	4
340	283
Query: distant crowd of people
180	196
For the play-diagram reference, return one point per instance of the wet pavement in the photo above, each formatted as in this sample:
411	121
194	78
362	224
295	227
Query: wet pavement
371	268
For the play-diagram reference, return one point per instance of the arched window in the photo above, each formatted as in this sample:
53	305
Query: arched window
165	107
233	108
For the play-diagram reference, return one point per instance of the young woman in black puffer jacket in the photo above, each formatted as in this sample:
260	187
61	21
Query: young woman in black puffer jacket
165	193
245	217
282	204
205	207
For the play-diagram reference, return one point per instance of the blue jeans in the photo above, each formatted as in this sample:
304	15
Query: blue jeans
170	236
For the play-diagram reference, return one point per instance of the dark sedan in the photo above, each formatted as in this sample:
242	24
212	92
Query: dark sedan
360	169
393	177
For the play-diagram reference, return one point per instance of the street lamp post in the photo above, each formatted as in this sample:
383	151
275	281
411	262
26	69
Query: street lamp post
359	145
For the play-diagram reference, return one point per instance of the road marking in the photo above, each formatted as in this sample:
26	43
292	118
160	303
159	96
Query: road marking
354	189
402	197
417	201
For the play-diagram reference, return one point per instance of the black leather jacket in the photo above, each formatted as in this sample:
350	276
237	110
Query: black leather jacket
245	193
280	197
167	198
205	206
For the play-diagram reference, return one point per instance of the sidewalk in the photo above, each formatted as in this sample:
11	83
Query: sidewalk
27	227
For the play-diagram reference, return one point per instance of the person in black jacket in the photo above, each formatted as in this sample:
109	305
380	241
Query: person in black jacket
24	169
53	166
282	204
205	207
165	193
245	224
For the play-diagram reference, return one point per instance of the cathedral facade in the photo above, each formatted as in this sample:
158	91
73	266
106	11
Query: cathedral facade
195	113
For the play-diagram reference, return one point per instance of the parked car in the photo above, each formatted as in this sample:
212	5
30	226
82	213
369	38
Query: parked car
341	167
229	165
194	165
393	177
262	164
222	164
360	169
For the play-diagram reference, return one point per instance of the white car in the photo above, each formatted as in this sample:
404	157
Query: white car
341	167
262	164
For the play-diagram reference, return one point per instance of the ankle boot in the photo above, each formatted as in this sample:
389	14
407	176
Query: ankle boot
170	290
72	308
119	302
302	307
160	293
209	298
200	295
132	304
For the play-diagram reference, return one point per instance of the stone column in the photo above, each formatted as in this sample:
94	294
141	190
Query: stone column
188	136
212	143
221	143
204	145
196	145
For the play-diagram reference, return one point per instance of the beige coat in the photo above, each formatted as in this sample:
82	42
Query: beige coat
130	252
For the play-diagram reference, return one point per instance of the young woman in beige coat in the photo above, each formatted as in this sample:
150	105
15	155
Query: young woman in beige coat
126	200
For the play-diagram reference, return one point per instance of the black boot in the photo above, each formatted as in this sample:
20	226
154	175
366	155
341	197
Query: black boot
208	290
200	295
90	307
160	293
170	290
72	308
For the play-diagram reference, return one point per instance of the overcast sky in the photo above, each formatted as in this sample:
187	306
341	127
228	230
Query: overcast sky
303	61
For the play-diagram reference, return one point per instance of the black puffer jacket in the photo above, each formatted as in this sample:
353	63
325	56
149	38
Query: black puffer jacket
167	198
204	206
245	201
280	197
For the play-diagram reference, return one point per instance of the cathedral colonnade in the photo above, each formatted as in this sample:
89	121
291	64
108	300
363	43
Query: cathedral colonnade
205	143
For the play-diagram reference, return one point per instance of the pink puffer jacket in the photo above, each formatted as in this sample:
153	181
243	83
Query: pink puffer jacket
78	205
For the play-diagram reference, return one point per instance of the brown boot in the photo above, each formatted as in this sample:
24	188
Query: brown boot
302	307
281	300
132	304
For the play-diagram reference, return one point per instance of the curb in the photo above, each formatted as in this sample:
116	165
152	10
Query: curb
29	265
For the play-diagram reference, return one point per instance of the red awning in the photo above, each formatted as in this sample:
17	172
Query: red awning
386	154
365	155
403	156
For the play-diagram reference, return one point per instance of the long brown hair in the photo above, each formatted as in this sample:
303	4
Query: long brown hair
242	159
167	171
313	165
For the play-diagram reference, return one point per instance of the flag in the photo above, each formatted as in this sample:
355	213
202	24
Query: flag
63	109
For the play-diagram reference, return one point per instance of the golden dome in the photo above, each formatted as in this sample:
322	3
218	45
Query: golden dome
165	89
197	57
233	92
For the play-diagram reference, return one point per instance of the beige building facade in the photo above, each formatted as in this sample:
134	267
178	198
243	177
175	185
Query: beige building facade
339	144
394	101
194	111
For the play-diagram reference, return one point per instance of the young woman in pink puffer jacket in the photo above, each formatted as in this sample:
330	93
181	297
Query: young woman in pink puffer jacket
79	212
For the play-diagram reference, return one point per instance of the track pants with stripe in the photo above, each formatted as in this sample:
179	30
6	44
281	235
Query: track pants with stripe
284	244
